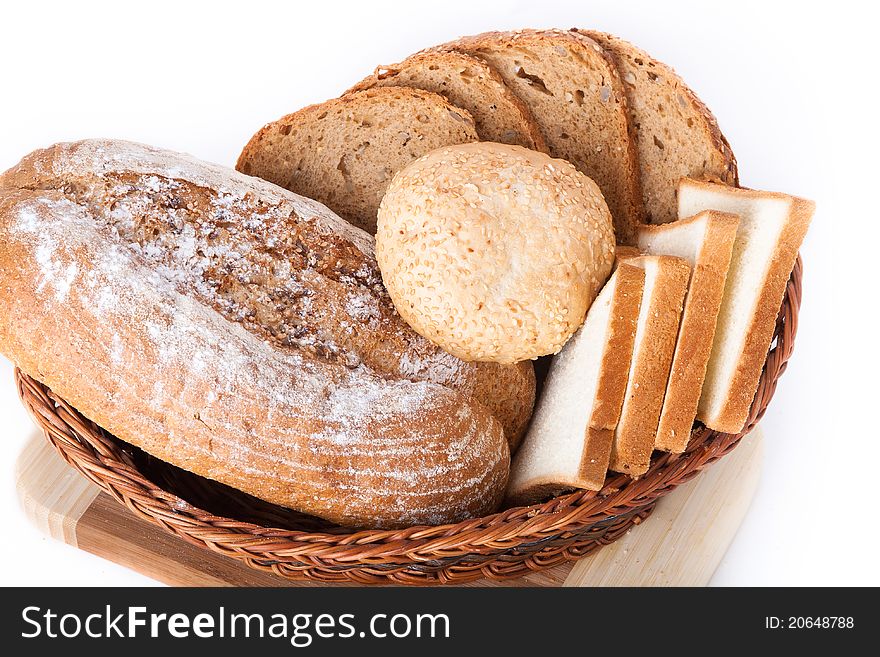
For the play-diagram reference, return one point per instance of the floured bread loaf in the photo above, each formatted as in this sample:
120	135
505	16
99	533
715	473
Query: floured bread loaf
129	285
297	275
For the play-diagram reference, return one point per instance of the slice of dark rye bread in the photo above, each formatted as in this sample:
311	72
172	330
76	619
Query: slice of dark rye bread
345	151
469	83
677	136
572	88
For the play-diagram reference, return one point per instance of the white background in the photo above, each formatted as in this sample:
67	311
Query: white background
794	88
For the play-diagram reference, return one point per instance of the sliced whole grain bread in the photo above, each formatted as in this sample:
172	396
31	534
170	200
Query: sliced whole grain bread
345	151
771	229
568	443
677	136
706	242
572	88
469	83
666	280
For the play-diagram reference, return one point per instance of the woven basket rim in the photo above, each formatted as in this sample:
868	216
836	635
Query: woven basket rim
98	456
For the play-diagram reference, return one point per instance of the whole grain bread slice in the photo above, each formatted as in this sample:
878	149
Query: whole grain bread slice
677	136
568	443
573	90
345	151
706	242
666	280
771	229
469	83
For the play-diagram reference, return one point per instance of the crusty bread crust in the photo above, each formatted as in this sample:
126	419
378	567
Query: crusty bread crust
613	164
499	115
649	371
711	155
742	386
344	152
697	327
137	348
312	282
508	391
622	252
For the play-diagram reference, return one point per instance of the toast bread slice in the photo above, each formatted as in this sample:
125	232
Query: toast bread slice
706	242
666	280
771	229
568	443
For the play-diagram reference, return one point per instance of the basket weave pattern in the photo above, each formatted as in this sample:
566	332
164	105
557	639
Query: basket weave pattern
507	544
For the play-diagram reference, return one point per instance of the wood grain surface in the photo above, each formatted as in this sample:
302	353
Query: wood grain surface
680	544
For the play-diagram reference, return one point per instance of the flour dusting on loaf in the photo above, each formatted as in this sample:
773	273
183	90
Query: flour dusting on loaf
284	266
134	336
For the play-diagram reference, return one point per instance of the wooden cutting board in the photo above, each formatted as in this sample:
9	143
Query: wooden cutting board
680	544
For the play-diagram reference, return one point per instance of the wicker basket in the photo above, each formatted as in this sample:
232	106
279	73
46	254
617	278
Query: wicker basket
269	538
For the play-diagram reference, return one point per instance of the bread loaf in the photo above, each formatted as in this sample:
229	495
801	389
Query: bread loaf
296	275
495	252
139	285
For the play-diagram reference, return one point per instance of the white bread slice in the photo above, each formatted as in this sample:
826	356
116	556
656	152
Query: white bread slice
771	229
666	281
706	242
569	439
